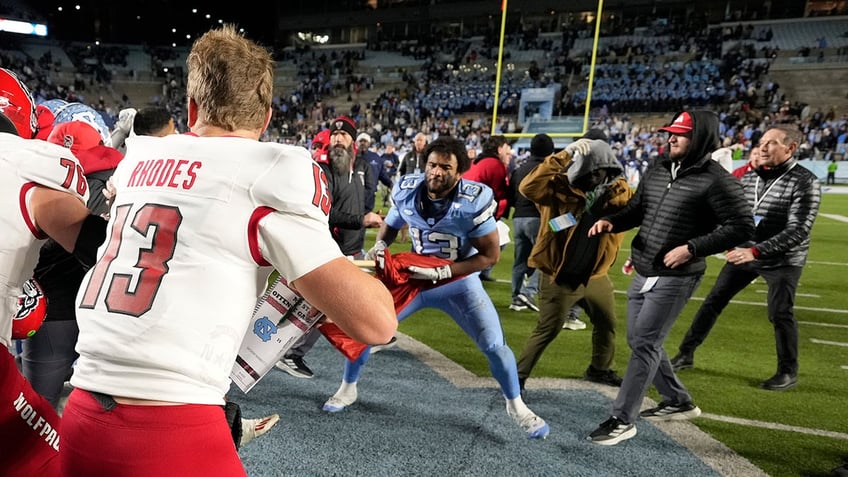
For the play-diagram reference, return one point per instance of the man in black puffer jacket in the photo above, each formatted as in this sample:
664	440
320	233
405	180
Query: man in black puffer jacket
785	198
686	207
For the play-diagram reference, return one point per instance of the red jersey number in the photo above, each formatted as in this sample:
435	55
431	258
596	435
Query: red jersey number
74	174
159	224
321	197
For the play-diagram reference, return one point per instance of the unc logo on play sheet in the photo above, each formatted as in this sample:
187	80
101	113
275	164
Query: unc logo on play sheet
264	328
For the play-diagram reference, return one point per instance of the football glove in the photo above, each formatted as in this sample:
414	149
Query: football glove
377	251
434	274
581	146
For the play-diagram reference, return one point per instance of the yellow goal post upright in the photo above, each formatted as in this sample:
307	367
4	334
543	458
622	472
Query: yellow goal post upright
588	92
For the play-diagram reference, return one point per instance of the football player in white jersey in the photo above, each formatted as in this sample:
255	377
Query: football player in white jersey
42	194
197	222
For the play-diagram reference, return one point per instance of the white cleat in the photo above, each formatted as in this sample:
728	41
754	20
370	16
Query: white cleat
253	428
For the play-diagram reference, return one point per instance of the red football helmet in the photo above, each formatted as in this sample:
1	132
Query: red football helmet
16	104
32	309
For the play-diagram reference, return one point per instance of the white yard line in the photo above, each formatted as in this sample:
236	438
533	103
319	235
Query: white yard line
839	218
776	426
826	325
806	295
832	343
763	304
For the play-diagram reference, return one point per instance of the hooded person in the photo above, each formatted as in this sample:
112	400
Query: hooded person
686	208
572	189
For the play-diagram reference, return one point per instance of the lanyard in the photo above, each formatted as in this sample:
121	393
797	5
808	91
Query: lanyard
757	198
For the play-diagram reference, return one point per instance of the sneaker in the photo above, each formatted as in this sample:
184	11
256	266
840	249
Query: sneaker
607	377
253	428
391	344
667	411
683	361
533	425
339	402
841	471
295	366
528	301
780	382
573	323
612	431
517	305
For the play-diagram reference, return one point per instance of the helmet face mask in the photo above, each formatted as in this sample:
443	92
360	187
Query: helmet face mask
17	105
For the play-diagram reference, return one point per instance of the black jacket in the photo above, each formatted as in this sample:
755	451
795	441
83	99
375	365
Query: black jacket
522	206
704	207
788	211
350	194
411	161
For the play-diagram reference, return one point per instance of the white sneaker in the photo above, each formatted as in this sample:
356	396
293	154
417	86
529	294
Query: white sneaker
533	425
253	428
339	402
573	323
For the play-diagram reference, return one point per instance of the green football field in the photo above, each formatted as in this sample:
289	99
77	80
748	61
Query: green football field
800	432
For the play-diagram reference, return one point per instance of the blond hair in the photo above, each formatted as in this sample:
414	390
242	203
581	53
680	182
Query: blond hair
231	79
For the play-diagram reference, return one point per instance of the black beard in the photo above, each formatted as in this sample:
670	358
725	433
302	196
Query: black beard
340	159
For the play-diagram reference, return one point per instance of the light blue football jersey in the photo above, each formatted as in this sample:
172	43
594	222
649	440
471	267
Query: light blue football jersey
470	214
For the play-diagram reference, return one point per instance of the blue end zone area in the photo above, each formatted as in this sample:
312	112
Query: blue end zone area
420	414
555	125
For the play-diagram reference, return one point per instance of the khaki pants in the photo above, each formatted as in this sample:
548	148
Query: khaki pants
596	297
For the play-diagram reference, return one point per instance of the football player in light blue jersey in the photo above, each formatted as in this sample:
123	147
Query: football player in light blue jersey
453	219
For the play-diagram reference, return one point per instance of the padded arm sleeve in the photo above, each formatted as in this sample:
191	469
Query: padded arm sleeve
91	236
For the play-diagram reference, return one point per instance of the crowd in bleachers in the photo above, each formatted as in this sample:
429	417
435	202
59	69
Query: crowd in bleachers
453	91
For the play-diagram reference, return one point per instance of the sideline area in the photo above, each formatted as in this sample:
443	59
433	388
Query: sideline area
421	414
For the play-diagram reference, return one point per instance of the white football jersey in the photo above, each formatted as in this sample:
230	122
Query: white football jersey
187	253
25	163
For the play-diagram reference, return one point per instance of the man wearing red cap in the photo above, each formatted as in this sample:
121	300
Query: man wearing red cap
687	208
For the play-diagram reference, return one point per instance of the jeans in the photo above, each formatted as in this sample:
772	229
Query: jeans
650	316
524	234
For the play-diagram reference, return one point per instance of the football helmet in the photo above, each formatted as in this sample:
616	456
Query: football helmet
17	105
32	309
85	113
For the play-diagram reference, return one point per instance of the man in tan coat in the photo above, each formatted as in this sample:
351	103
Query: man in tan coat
572	189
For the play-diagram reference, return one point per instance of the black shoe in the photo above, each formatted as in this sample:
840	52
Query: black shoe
517	305
607	377
671	412
683	361
295	366
528	301
612	431
780	382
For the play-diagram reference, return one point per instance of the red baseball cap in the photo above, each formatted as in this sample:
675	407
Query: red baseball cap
87	145
682	124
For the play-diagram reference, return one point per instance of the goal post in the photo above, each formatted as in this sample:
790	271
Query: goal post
499	67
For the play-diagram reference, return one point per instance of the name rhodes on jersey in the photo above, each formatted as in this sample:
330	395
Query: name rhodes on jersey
165	173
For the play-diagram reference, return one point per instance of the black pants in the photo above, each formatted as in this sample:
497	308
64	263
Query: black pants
782	283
